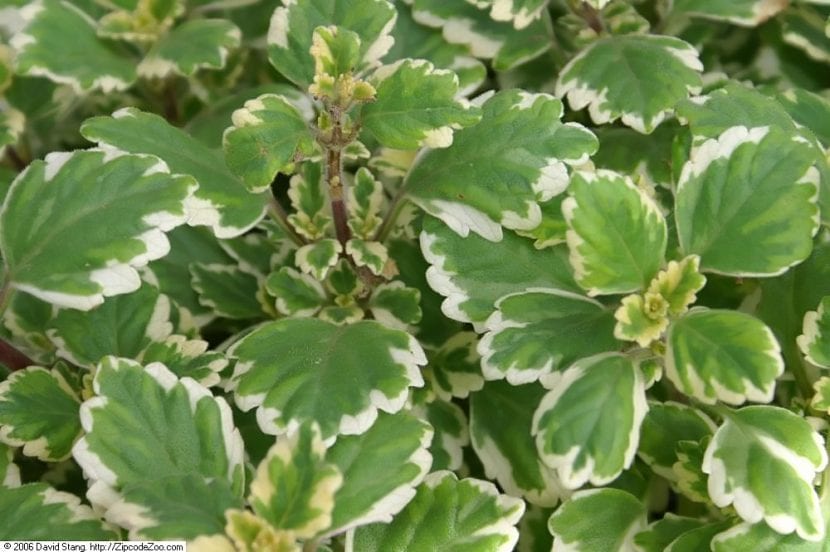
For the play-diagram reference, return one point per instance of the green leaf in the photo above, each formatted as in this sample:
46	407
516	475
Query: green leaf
156	445
122	326
723	355
533	530
186	358
454	369
597	519
295	370
292	27
366	200
395	305
759	537
294	486
616	233
227	290
451	431
663	427
759	444
690	479
268	132
520	12
663	70
59	42
297	294
646	158
536	333
370	254
381	469
821	399
220	202
249	532
588	426
36	511
318	258
808	109
447	514
12	124
473	273
39	411
661	533
309	197
814	340
9	472
698	539
516	157
193	45
416	106
551	231
746	202
501	420
74	227
747	13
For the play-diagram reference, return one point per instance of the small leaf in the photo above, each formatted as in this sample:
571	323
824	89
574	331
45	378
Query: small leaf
661	533
228	291
616	233
416	106
39	411
759	444
723	355
365	202
747	13
597	519
267	134
746	202
395	305
588	426
641	318
248	532
186	358
809	109
341	316
664	426
690	479
501	420
516	157
9	472
662	69
109	214
759	537
297	294
294	486
814	340
339	375
520	12
821	399
699	538
309	198
370	254
451	432
454	368
59	42
537	333
193	45
220	201
678	283
447	514
551	231
318	258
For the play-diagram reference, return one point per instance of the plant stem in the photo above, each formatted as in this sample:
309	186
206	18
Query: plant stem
395	208
15	158
279	216
334	178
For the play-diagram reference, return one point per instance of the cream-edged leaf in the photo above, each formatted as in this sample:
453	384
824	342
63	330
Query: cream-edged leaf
746	13
597	519
814	340
227	290
193	45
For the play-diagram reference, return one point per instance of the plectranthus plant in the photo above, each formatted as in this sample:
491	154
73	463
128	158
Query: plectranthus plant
416	275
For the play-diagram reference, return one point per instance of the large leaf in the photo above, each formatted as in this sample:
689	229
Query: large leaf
516	157
59	41
297	370
39	411
597	519
616	233
36	511
162	454
723	355
501	420
757	445
588	426
193	45
535	333
292	27
416	106
759	537
746	202
221	201
664	426
381	469
446	514
747	13
638	78
74	227
814	340
227	291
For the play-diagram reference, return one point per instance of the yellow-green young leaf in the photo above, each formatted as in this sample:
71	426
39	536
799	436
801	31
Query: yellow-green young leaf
451	431
757	445
380	468
59	42
616	233
296	294
122	326
446	514
661	533
193	45
664	426
220	201
162	455
292	28
536	333
370	254
517	157
662	69
588	426
747	13
520	12
678	283
294	485
641	318
248	532
473	273
501	420
74	227
814	340
296	370
268	133
36	511
723	355
746	202
821	399
318	258
416	106
454	369
597	519
759	537
39	411
186	358
309	198
227	290
395	305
